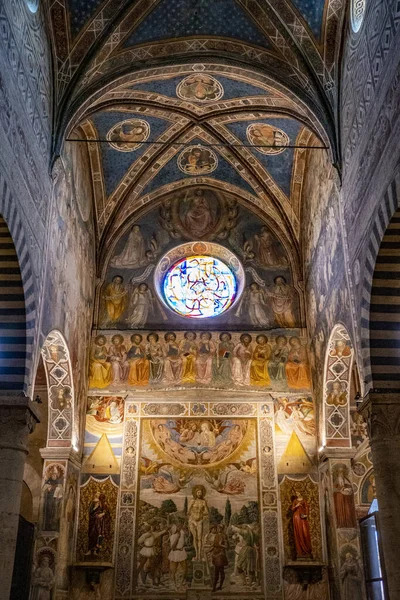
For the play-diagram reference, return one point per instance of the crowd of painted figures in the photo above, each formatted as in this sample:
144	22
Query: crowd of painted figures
198	359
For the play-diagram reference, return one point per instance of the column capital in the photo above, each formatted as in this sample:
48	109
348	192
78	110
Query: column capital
55	453
382	414
18	418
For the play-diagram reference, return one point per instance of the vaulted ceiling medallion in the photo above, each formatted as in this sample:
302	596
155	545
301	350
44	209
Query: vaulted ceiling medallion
128	135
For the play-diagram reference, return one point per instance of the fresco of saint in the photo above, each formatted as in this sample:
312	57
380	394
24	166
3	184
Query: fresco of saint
297	368
139	368
277	362
281	295
100	372
115	297
241	362
133	256
188	349
267	139
198	219
53	492
155	355
197	160
223	360
259	374
200	88
301	526
128	135
254	303
343	496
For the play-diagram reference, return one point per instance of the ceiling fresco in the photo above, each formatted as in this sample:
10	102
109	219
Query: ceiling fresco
173	94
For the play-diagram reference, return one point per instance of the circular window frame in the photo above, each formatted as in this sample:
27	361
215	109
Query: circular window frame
173	256
357	22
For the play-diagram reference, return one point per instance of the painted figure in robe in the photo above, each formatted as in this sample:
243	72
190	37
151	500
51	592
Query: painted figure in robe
282	295
241	362
115	297
341	349
198	220
141	304
351	578
139	368
133	255
247	563
43	580
204	359
259	374
172	359
188	350
264	246
99	524
337	396
297	368
301	526
277	362
118	359
100	367
52	496
343	497
223	359
254	303
155	356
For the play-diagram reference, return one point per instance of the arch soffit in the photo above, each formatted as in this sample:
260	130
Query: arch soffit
61	395
339	356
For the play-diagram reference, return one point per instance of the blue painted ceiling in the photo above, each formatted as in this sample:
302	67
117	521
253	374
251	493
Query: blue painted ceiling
185	18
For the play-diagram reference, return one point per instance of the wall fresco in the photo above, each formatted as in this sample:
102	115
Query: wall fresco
128	300
198	506
150	359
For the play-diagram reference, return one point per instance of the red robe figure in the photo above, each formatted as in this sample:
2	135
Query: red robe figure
99	524
301	527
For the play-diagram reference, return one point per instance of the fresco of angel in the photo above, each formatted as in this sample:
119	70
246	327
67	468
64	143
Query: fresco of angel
198	442
297	416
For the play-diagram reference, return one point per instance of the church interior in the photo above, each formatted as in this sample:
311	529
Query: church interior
199	299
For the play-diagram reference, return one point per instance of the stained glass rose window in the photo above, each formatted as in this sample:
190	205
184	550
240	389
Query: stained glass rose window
199	286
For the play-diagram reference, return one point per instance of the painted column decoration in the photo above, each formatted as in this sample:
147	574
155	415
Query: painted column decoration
127	504
336	407
55	537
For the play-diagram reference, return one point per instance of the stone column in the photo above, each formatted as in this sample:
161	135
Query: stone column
18	418
382	413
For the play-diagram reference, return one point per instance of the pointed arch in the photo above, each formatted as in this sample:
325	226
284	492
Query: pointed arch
17	330
13	338
336	390
380	316
61	396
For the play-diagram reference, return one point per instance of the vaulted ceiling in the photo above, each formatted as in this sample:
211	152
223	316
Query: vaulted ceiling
268	64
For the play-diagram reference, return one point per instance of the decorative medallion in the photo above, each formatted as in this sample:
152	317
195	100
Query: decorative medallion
129	135
267	139
200	88
197	160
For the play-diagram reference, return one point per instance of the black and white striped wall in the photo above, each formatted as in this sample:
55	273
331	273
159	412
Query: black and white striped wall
380	304
17	298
